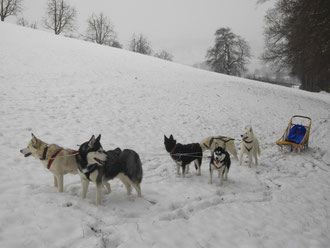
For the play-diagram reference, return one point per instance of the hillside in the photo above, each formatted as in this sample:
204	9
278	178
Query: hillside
64	90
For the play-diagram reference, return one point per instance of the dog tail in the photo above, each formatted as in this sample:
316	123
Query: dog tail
203	146
230	146
258	147
133	165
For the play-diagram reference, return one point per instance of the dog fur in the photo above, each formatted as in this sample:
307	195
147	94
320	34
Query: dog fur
100	166
62	164
210	143
220	161
183	155
250	146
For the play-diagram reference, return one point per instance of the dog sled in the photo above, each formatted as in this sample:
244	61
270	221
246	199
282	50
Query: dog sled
296	135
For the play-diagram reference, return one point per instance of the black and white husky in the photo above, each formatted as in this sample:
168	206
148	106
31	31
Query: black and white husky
100	166
183	155
220	161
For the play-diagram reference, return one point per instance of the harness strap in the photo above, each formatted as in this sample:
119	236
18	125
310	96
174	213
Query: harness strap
173	148
90	169
51	160
248	148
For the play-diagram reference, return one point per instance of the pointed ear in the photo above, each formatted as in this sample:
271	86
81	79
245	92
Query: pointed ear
98	138
34	139
251	129
216	145
91	142
171	137
165	138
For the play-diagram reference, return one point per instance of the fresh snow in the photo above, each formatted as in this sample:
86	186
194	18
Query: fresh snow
64	90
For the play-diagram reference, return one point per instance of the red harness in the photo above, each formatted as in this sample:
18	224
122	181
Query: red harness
51	160
173	149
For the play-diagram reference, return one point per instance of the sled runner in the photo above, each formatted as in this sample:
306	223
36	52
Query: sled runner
296	134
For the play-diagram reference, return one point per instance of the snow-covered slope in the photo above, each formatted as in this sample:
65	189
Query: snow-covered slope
64	90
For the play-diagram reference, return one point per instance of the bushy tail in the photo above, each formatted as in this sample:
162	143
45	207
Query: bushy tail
258	147
230	147
133	165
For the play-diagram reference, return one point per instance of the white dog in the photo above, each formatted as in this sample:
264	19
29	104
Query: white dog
250	146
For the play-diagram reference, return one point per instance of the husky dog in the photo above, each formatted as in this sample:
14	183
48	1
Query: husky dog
100	166
56	159
183	155
220	161
210	143
249	145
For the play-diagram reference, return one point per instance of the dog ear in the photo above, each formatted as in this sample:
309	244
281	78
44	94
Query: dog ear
98	138
34	139
171	137
91	142
165	138
216	145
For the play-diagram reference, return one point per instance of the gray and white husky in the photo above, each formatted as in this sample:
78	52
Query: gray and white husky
56	159
250	146
100	166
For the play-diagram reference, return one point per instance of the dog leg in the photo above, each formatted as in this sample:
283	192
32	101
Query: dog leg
55	182
241	156
221	179
184	170
211	173
226	174
255	158
98	193
124	180
107	186
84	185
197	165
137	188
60	182
178	170
250	160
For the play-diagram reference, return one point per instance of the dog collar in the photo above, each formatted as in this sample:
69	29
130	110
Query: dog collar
53	158
174	148
44	153
248	142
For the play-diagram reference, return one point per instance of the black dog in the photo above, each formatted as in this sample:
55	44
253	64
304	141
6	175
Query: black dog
220	161
99	166
183	155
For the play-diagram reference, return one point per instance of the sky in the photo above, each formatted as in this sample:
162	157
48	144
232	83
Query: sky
184	28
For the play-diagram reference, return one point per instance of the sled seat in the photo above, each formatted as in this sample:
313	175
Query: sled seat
296	135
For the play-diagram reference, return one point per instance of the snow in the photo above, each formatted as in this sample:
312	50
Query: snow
64	90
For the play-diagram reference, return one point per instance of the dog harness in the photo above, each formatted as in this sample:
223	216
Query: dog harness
247	142
222	138
51	160
173	149
91	169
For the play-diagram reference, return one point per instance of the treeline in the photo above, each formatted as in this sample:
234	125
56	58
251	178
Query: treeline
298	37
60	17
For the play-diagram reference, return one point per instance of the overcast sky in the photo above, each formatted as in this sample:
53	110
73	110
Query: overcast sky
185	28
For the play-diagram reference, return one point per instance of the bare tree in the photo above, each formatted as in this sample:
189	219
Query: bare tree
9	7
230	53
140	44
164	55
60	16
23	22
101	31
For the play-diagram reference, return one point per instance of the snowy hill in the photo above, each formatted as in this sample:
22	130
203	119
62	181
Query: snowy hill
64	90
